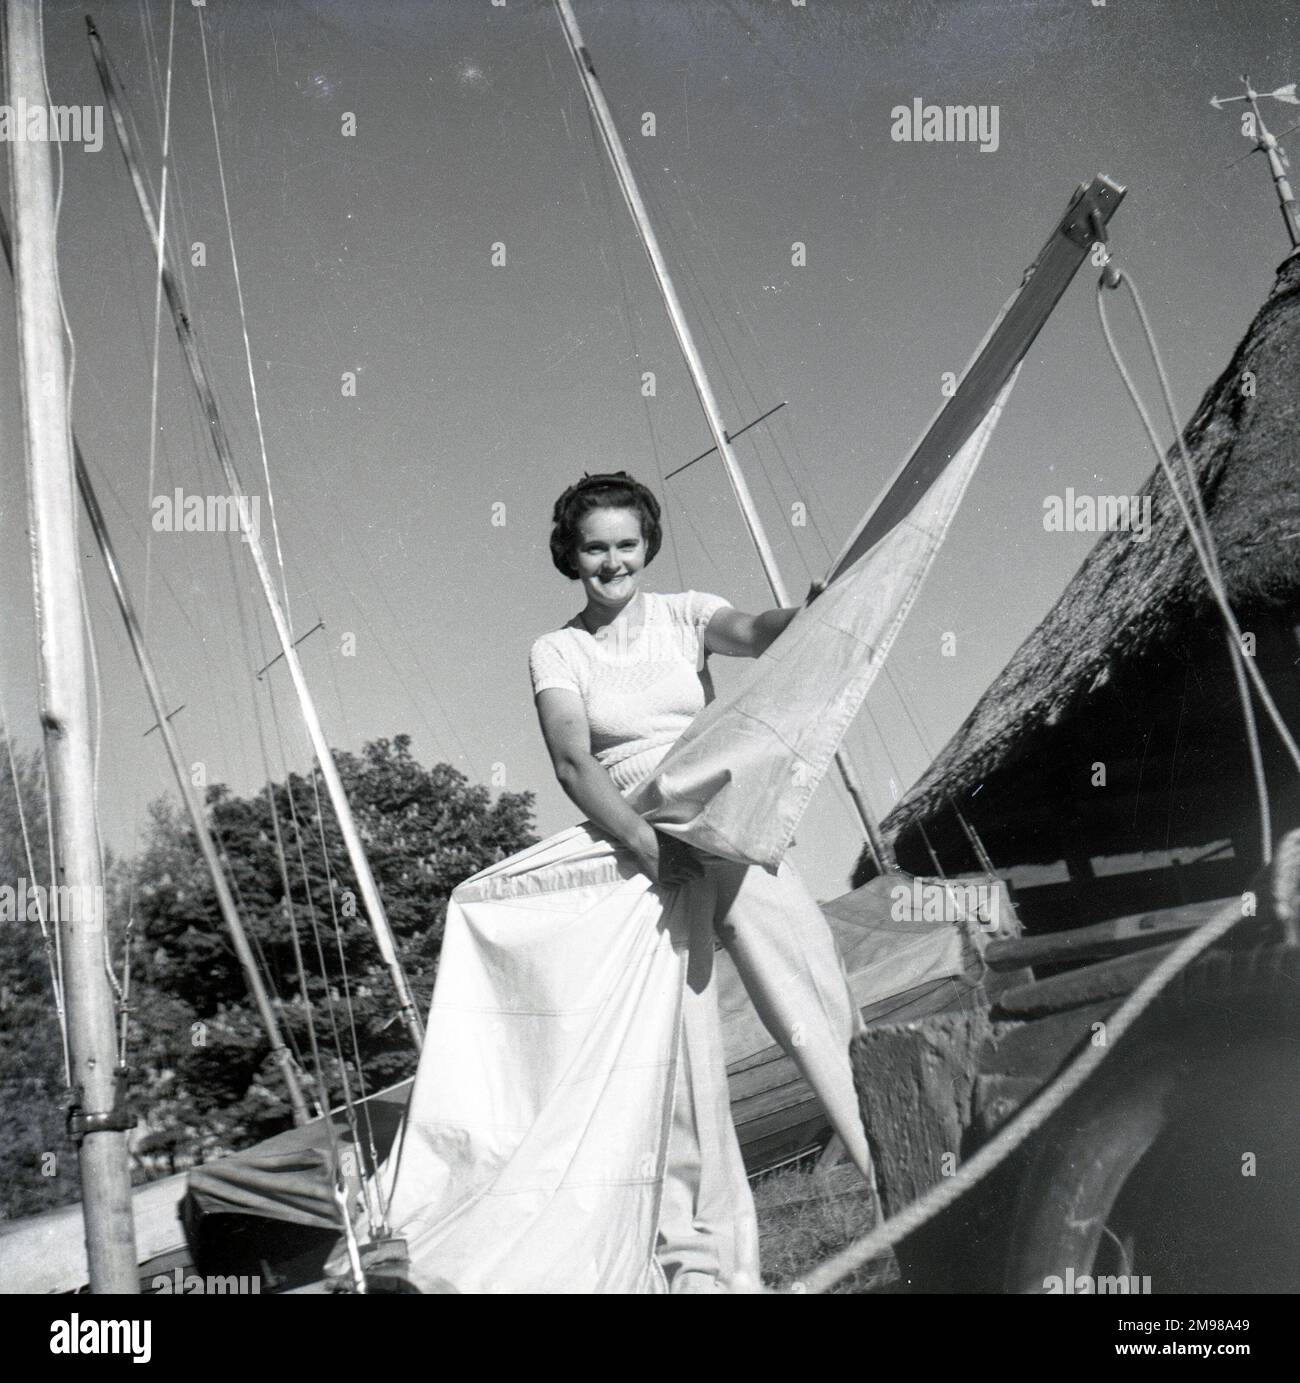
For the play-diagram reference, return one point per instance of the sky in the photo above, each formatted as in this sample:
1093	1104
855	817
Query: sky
373	157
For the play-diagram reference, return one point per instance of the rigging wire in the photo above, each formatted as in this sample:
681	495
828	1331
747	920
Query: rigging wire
52	956
273	798
340	1060
158	290
369	1182
243	315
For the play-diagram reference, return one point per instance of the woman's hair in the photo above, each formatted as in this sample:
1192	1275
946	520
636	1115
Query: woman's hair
616	490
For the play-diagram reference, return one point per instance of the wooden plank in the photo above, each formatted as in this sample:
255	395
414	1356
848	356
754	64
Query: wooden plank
1110	978
1118	936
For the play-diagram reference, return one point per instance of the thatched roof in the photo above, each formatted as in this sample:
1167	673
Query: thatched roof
1133	601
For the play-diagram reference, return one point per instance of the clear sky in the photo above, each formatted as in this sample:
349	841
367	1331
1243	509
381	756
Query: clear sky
414	516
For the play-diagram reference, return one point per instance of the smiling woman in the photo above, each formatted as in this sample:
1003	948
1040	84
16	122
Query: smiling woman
570	1125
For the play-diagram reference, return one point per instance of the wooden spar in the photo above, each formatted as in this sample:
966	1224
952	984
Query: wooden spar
695	366
225	900
198	374
1082	225
98	1120
283	1057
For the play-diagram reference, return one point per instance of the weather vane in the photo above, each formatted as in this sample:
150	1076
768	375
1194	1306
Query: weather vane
1253	124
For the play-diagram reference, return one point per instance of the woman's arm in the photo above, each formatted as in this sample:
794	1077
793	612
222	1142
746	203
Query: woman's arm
588	785
590	788
734	633
738	635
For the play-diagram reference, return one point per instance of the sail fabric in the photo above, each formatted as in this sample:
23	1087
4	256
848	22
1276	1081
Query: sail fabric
532	1158
574	1058
738	780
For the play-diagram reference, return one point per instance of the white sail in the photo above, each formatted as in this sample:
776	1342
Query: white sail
739	779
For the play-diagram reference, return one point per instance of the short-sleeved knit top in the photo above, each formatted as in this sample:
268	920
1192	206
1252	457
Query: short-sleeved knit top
640	691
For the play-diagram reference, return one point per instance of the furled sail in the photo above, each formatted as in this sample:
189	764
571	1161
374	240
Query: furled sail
739	779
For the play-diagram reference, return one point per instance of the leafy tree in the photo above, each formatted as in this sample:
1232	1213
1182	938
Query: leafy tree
40	1165
212	1084
202	1074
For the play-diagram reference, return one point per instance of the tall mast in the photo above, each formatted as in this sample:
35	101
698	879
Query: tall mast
695	365
98	1121
198	374
225	900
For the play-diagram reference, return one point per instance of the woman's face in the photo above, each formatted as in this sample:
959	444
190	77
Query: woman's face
610	555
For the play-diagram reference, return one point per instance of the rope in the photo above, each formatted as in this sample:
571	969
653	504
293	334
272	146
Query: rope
1031	1117
1210	554
1207	558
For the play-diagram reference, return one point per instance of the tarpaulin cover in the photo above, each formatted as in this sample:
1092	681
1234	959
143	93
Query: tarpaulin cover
291	1186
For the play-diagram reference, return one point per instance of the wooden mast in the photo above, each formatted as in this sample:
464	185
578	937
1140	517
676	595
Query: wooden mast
695	366
225	900
198	374
98	1120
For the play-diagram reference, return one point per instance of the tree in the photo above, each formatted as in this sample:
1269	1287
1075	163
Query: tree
205	1060
202	1076
40	1165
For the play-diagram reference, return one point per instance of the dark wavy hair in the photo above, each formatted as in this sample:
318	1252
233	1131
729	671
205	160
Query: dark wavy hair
616	490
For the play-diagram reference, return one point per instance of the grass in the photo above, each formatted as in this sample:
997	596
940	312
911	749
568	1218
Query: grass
805	1215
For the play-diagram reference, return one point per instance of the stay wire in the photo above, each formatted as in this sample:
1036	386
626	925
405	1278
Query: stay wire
369	1182
340	1059
243	317
51	955
158	287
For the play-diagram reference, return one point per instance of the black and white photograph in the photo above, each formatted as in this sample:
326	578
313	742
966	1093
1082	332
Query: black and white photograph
651	647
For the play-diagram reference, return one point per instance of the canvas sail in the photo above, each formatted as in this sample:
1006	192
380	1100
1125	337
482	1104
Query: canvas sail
738	781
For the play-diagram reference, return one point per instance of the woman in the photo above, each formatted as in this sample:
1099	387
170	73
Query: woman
570	1126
